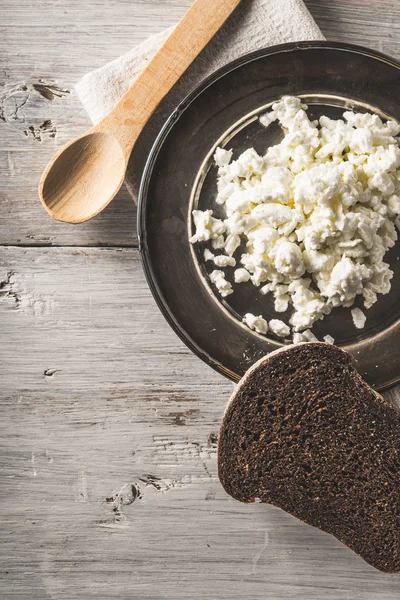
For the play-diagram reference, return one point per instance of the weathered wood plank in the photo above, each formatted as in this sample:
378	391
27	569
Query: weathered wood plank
108	461
107	432
373	24
79	310
52	42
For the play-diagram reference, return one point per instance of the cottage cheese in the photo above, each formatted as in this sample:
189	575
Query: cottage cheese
359	318
222	285
279	328
224	261
241	276
317	214
258	324
308	336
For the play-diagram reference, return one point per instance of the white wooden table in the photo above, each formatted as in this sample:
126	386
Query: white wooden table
108	485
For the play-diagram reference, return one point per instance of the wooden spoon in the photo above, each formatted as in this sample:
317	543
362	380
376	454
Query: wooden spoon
84	176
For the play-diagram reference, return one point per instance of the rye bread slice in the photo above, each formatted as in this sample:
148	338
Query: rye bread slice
304	432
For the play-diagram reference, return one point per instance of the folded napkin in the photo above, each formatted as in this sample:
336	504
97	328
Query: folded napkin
255	24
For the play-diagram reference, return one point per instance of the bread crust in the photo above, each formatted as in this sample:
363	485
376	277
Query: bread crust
345	477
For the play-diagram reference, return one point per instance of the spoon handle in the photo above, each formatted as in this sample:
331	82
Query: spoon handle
196	29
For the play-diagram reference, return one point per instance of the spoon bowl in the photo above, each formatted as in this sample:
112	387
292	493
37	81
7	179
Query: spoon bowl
83	177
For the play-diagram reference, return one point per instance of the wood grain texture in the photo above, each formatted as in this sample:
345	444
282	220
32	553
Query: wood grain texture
108	482
49	43
108	454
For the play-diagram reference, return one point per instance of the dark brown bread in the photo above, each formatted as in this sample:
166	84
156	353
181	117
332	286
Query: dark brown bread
304	432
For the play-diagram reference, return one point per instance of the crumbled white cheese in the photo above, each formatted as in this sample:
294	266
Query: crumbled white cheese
208	255
224	261
359	318
218	243
298	338
281	303
258	324
279	328
222	157
309	336
232	242
317	213
241	276
222	285
206	226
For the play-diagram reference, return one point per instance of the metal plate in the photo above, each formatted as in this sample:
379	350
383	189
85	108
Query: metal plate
179	175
